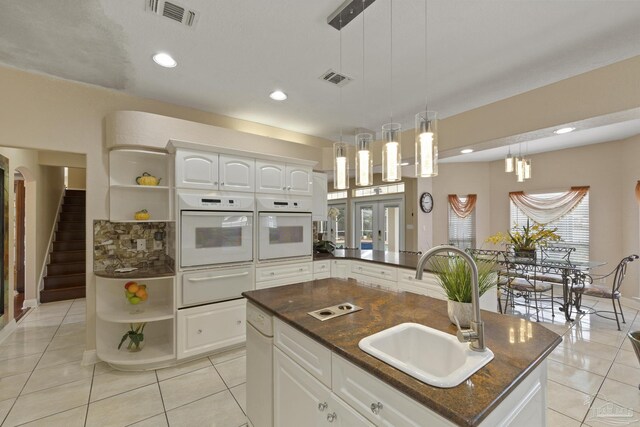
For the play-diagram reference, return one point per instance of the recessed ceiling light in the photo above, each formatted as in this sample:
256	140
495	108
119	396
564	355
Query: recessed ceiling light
164	60
278	95
563	130
467	151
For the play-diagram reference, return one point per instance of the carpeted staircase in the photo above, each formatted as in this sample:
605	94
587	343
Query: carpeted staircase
65	277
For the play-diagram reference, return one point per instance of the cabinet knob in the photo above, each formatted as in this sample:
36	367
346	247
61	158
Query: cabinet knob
222	183
322	406
215	183
284	188
301	269
376	407
238	322
331	417
199	331
382	272
289	188
273	273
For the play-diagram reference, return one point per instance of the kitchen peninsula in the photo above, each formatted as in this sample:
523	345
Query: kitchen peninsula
320	373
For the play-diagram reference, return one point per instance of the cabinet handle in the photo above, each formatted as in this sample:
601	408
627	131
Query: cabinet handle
225	276
322	406
331	417
222	183
376	407
215	183
284	188
199	331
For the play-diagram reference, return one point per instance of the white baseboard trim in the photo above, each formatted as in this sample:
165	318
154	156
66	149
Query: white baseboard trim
7	330
630	302
30	303
89	357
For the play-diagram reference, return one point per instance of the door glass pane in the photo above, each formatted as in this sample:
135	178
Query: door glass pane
340	228
391	232
366	227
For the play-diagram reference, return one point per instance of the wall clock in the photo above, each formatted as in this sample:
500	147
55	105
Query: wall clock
426	202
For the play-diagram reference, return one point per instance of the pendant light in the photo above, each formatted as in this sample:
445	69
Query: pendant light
508	162
519	165
426	127
391	150
340	157
527	169
364	159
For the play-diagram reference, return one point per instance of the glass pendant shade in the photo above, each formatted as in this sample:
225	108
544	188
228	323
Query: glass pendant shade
527	169
426	144
508	163
519	164
340	166
391	169
364	160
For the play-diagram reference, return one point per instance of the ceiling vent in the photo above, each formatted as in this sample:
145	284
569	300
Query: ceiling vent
173	11
335	78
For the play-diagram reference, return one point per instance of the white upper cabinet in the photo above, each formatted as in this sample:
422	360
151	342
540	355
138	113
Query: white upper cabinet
237	173
196	170
320	210
270	177
299	180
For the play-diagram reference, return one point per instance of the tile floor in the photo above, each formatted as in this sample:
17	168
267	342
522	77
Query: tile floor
43	384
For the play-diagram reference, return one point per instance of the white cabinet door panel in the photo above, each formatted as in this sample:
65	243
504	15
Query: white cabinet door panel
237	174
270	177
299	180
196	170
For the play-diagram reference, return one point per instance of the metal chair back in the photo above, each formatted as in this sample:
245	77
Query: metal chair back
620	272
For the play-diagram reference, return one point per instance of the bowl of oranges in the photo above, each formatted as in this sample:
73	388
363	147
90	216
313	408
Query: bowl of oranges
136	295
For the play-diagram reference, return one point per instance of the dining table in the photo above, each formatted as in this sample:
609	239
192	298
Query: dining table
569	273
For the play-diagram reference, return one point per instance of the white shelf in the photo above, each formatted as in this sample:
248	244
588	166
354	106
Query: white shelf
150	314
148	355
141	187
143	220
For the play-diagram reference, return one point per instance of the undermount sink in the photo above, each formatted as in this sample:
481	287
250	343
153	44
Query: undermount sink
429	355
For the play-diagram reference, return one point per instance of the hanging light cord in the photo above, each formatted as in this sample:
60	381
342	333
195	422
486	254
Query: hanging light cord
340	89
391	58
426	79
363	92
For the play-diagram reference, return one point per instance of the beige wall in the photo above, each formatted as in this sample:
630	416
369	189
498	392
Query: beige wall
76	178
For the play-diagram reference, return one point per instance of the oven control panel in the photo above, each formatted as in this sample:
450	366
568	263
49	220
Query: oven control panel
301	204
215	202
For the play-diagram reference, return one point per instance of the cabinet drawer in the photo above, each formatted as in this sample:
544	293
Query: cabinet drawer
318	276
278	275
215	285
428	286
211	327
321	267
312	356
377	271
362	390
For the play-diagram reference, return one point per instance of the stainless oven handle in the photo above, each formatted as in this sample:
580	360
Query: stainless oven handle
226	276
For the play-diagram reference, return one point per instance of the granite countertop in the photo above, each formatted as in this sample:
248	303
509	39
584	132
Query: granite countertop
405	260
518	345
140	273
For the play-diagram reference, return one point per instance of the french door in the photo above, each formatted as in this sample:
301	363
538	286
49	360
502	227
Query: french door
379	225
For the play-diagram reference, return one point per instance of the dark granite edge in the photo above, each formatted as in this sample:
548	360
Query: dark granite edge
444	411
142	273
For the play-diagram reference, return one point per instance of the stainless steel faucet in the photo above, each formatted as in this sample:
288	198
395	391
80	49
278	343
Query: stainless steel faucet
475	335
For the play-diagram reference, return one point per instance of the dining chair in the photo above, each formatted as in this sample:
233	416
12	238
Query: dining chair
497	257
522	281
590	288
552	253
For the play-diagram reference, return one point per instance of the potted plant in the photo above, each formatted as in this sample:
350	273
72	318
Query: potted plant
454	275
525	239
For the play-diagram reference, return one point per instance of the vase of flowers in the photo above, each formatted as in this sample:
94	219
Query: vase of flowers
135	335
526	238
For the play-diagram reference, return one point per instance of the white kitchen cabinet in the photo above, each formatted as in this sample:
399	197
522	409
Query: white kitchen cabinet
281	178
340	268
126	197
195	169
236	173
304	401
299	180
211	327
321	269
115	315
320	209
375	274
428	286
268	276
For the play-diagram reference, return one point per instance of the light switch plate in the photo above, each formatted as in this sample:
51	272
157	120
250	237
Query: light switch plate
141	244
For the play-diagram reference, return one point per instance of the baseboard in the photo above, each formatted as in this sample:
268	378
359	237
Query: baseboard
7	330
30	303
630	302
89	357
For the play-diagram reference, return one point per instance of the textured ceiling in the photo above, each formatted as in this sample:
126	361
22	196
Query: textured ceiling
239	51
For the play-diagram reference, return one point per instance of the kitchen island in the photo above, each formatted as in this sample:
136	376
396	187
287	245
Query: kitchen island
510	390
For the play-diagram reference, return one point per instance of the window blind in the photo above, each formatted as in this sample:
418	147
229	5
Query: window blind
573	227
462	231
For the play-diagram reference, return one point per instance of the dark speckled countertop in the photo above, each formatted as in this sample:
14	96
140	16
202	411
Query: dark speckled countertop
140	273
406	260
467	404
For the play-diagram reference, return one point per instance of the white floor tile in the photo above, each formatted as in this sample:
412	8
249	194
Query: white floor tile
75	339
61	356
584	381
189	387
233	372
71	418
18	365
240	394
581	361
625	374
5	406
600	415
116	382
53	376
622	394
126	408
12	385
159	420
218	410
568	401
228	355
11	350
183	368
556	419
47	402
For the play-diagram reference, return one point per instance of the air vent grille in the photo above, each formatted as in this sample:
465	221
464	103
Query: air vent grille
173	11
335	78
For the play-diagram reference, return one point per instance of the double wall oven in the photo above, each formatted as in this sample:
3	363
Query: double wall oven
284	227
216	245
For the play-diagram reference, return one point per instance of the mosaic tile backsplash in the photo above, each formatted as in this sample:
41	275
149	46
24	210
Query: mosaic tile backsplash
115	244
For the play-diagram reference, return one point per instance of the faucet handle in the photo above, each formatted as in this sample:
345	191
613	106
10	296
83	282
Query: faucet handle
465	335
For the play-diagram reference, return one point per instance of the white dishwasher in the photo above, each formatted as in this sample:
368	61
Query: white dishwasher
259	367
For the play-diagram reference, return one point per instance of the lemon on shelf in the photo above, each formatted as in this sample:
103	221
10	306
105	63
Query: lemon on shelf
142	215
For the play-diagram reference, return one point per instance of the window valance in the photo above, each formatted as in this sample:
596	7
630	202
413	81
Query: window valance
460	208
544	210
